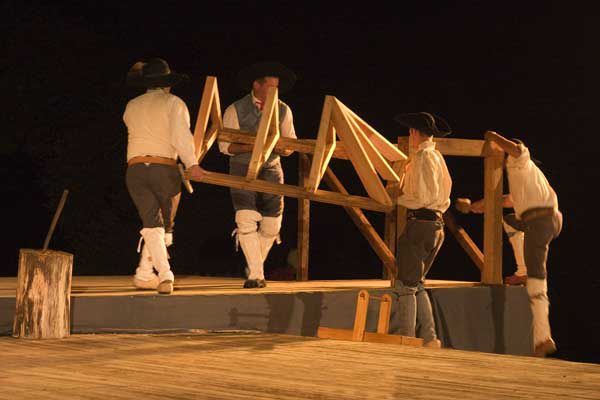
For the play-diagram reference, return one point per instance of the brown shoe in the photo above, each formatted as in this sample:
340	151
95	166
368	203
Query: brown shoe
165	287
545	348
516	280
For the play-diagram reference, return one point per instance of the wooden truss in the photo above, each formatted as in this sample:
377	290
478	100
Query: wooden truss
342	134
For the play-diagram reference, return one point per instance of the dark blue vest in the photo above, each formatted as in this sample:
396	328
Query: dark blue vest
249	118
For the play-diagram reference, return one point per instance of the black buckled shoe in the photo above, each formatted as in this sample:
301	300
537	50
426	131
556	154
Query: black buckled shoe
254	283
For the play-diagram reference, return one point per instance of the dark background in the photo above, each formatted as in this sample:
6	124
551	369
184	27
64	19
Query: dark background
521	69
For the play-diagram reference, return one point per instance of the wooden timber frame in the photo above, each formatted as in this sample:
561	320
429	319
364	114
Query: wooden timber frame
342	134
489	261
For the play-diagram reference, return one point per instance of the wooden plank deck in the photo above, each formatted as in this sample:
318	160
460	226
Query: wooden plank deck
250	365
202	285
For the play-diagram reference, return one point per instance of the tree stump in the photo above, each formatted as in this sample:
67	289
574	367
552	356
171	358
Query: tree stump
43	303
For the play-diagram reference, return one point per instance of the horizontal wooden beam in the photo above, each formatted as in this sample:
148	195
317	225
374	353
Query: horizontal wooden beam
387	338
373	337
323	196
455	147
306	146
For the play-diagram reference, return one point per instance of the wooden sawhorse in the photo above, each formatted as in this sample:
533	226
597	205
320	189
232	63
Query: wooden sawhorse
359	333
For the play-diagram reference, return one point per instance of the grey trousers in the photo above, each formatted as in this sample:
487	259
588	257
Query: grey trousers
268	205
417	249
155	190
538	235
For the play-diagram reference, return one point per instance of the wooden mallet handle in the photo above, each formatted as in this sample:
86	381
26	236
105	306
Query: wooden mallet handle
61	204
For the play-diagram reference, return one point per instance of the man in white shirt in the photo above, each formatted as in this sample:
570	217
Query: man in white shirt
158	125
538	217
258	215
426	195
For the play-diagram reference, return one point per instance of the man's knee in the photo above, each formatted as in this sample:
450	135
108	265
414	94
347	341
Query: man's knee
270	226
247	221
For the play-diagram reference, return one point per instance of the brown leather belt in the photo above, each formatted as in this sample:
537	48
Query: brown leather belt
152	160
424	214
535	213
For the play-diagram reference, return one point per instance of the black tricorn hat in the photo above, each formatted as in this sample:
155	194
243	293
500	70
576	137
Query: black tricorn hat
287	77
427	123
154	72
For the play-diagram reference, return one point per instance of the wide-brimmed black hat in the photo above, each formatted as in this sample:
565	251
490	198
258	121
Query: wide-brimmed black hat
425	122
287	77
154	72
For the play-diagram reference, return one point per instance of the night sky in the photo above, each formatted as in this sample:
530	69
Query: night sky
521	69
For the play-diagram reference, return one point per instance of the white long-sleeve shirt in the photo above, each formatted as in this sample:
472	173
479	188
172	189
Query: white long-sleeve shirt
528	186
230	120
158	123
427	182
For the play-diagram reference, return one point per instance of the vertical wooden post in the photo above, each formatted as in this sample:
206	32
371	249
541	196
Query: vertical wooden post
400	210
360	320
303	220
389	235
43	299
492	221
385	309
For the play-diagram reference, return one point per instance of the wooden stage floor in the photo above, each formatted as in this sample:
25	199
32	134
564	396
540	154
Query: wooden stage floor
251	365
202	285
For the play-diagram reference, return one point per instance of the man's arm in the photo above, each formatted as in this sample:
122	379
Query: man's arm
478	207
513	149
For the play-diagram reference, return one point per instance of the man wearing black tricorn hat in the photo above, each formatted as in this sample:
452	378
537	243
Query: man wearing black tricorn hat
426	195
158	125
257	215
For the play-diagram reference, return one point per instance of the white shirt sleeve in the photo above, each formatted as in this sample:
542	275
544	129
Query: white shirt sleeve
230	120
182	138
287	125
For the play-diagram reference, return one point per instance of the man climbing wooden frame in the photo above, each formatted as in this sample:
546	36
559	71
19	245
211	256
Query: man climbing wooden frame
490	260
359	333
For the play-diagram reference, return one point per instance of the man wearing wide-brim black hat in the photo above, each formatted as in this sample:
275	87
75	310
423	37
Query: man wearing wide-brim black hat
258	216
426	195
158	125
539	221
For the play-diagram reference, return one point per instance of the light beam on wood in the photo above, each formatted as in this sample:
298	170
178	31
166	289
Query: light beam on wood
381	165
210	107
324	196
304	146
363	166
266	136
324	147
383	146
